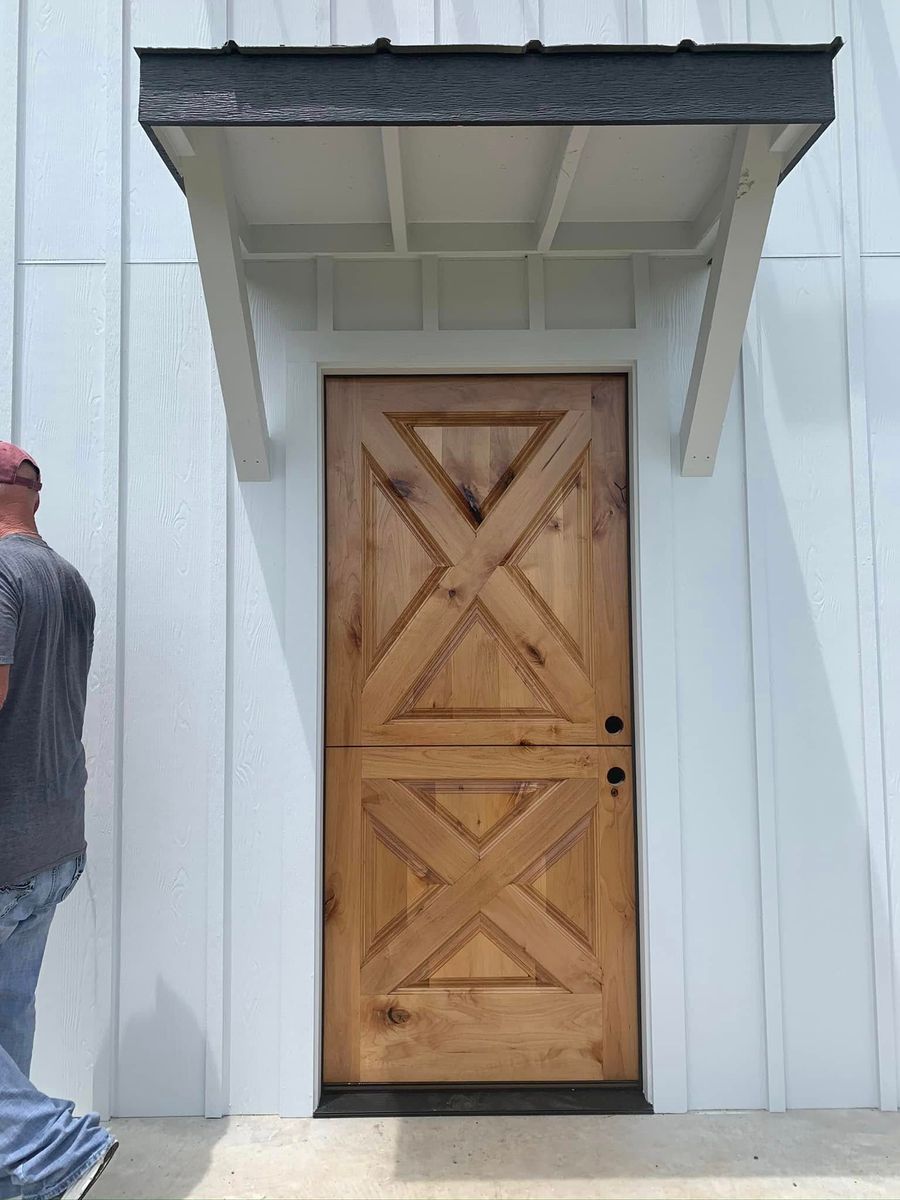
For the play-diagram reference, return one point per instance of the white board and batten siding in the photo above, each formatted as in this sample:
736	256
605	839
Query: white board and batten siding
181	977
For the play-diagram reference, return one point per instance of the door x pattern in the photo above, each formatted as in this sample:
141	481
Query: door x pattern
485	885
474	579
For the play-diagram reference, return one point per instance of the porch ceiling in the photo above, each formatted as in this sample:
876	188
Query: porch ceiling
288	152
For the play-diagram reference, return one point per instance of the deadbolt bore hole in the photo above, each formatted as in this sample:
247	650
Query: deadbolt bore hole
613	724
615	775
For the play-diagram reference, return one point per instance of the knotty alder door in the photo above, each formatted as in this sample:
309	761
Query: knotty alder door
479	827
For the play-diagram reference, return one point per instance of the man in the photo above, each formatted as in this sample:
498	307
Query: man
46	639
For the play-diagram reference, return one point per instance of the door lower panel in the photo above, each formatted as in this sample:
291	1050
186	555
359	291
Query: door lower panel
480	924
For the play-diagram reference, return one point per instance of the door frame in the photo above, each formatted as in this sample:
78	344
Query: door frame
643	355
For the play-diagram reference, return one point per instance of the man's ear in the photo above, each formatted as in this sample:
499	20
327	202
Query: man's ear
37	501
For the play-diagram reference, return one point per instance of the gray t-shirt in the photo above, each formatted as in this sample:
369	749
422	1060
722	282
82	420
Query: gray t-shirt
47	634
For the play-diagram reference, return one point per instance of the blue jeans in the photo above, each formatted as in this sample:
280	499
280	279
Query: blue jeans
43	1147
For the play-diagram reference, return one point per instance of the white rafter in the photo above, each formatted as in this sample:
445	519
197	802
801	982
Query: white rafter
216	227
393	173
787	139
562	177
747	203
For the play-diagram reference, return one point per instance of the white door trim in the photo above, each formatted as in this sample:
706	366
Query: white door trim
313	356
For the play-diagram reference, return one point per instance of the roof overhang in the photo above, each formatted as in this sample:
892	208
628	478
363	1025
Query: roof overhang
484	150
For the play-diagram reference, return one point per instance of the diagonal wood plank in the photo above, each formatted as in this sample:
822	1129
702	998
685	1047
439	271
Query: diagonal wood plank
461	584
544	651
422	831
415	486
524	841
545	940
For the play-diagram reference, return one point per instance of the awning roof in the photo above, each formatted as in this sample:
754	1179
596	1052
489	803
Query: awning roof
588	150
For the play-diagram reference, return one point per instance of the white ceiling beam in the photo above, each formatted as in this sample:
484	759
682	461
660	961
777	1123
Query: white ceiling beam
174	140
215	224
562	176
302	241
785	140
624	237
393	173
750	189
468	237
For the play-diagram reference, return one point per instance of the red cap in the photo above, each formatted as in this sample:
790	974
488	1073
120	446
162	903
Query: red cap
11	459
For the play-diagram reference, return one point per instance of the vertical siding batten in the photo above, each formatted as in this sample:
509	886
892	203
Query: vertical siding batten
767	827
755	491
11	41
216	1077
303	808
216	1067
656	698
105	833
861	475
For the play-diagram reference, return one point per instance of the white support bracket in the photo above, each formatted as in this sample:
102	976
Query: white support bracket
216	225
747	202
560	183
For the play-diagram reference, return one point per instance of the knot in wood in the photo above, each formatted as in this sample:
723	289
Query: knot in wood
397	1016
534	654
402	488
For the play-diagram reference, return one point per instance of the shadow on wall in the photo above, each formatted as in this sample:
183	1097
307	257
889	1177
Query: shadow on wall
802	470
826	904
166	1016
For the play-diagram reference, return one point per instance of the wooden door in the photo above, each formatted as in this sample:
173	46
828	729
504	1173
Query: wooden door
480	917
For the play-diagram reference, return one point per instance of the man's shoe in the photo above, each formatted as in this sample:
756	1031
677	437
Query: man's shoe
85	1182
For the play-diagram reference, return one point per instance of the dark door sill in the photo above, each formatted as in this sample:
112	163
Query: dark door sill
485	1099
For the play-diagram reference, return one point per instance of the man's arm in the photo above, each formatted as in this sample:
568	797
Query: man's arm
9	625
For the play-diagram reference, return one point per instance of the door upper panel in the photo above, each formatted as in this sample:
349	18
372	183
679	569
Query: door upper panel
477	561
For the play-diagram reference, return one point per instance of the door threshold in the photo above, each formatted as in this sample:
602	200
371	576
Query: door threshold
481	1100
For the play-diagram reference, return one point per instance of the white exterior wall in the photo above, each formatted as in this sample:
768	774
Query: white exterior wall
181	977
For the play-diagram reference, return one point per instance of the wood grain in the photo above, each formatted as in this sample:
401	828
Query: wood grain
478	592
461	566
610	618
343	927
473	883
495	1036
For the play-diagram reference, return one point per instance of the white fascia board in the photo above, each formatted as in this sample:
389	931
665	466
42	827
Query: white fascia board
216	228
749	192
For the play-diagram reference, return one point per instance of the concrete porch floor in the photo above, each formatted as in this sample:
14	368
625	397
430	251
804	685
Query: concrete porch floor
724	1155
